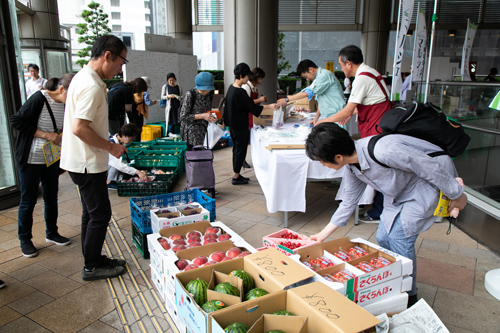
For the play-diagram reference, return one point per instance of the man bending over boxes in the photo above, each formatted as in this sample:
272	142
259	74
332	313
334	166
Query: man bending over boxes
410	185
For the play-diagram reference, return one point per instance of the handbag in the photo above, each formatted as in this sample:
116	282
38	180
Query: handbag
163	103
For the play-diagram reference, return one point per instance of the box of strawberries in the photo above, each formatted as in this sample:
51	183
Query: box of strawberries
287	241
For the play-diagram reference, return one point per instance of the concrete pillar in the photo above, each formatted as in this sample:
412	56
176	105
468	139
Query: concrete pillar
44	23
179	19
375	33
251	36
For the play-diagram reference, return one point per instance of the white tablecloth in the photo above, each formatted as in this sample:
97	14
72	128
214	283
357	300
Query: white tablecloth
282	174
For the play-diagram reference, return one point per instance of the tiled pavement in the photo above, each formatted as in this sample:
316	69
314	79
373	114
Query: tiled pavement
47	294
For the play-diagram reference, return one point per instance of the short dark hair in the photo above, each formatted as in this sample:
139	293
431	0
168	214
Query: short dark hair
65	80
105	43
34	66
258	73
137	85
351	53
128	130
327	140
52	84
304	65
171	75
493	71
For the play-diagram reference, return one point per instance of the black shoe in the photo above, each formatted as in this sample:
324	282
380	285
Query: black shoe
239	181
103	271
114	262
112	186
246	165
244	178
57	239
28	249
365	218
412	300
2	284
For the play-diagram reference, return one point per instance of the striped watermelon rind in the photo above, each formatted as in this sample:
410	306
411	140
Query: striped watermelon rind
198	288
283	313
276	331
227	288
255	292
237	328
213	305
248	282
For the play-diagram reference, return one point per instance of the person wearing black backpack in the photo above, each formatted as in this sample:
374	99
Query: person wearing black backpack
410	181
38	122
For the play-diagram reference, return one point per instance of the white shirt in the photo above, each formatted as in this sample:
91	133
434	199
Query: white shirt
87	99
346	85
365	90
118	164
250	88
33	86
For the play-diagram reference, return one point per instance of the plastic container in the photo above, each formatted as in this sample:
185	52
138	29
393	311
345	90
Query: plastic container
163	183
140	240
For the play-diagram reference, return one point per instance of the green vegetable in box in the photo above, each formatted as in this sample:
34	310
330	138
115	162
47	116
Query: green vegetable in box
248	282
198	288
254	293
283	313
237	328
227	288
212	306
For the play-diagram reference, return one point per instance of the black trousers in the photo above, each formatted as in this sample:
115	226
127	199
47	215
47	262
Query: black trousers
96	213
137	119
240	138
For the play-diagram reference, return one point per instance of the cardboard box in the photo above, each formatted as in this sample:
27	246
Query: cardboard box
268	322
161	221
271	270
327	311
172	311
274	240
266	118
382	290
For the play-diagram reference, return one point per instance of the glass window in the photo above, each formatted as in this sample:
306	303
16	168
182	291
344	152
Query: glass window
127	40
115	15
57	63
115	3
116	27
7	173
146	4
148	18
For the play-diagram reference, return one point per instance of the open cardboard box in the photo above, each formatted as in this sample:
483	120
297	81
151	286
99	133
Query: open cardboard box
381	291
228	300
327	311
266	118
268	322
168	220
270	269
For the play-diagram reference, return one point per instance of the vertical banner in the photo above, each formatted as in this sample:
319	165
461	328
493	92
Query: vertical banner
419	48
469	40
397	83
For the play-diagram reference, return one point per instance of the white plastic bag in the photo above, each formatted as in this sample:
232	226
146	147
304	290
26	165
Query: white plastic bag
214	133
167	115
278	118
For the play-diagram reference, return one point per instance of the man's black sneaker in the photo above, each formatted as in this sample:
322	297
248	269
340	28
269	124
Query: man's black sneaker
244	178
57	239
412	300
246	165
112	186
239	181
2	284
114	262
28	249
103	271
365	218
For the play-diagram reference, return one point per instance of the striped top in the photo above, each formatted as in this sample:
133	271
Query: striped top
45	124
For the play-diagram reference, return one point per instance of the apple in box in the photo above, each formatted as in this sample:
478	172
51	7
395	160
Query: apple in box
213	230
211	262
181	264
179	242
193	233
179	247
227	258
190	267
164	243
176	236
209	241
210	236
217	256
224	237
234	252
201	260
194	240
196	244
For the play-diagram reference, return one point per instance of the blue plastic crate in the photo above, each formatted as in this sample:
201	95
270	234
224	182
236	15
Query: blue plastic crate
139	207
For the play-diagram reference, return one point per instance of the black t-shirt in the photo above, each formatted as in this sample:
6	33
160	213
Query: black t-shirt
118	95
238	106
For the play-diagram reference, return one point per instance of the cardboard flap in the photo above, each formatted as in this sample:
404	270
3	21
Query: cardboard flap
268	322
324	306
218	277
184	229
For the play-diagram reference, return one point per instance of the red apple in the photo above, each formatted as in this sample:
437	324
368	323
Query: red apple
194	240
179	247
181	264
227	258
209	241
190	267
234	252
212	230
179	242
200	260
217	256
224	237
176	236
243	254
211	262
193	233
194	245
164	243
210	236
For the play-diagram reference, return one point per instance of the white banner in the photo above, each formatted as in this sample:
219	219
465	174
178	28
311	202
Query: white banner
397	83
419	48
469	40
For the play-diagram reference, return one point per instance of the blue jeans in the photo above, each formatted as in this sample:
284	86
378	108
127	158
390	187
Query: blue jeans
397	242
30	177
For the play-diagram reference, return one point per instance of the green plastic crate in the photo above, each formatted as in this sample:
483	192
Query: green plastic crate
163	183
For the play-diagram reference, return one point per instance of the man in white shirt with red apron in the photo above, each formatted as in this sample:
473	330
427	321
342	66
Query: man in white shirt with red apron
370	99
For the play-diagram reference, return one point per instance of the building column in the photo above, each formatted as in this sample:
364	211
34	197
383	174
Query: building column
375	33
179	23
251	36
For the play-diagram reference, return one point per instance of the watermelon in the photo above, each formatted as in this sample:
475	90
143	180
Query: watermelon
198	288
248	283
254	293
227	288
283	313
237	328
276	331
212	306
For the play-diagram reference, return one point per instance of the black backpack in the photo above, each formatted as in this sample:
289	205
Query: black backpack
423	121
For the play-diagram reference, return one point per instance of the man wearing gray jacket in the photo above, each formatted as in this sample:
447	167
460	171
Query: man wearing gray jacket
411	185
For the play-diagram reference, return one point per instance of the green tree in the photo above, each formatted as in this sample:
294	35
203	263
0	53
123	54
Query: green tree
283	64
96	26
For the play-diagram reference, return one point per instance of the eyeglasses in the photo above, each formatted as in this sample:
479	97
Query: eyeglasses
126	61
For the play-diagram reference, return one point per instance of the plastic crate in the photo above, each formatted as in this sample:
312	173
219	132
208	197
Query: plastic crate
140	240
140	145
163	126
150	133
139	207
143	160
163	183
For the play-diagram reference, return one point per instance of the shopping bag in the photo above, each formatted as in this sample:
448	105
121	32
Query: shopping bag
163	103
278	118
214	133
167	115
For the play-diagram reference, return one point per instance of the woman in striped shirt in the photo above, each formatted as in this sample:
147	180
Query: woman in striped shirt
39	121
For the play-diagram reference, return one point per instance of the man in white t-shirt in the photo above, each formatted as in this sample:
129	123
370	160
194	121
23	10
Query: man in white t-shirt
85	149
36	82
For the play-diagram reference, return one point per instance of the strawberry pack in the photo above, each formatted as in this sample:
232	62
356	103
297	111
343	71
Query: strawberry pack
287	241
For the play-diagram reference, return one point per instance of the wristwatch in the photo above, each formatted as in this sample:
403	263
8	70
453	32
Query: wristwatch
286	99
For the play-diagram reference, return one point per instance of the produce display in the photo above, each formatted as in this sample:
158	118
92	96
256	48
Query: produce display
283	313
248	282
237	328
357	252
290	235
365	267
342	276
198	288
227	288
195	238
212	306
344	256
254	293
379	262
290	245
318	263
